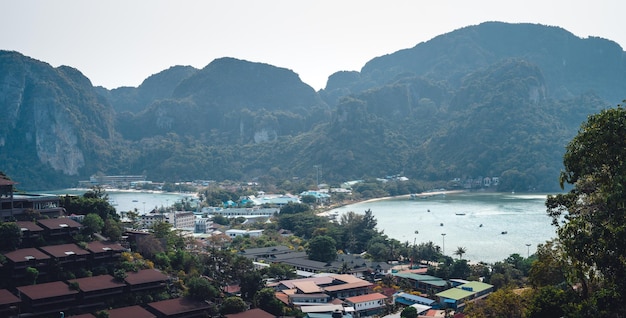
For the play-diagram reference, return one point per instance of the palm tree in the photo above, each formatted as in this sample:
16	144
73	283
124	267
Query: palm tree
460	251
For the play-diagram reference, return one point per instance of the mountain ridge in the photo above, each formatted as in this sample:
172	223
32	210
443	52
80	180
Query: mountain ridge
494	99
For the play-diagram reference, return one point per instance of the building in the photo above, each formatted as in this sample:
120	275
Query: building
367	305
457	297
121	181
13	206
252	233
180	308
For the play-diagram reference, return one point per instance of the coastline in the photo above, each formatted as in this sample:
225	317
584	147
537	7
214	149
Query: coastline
327	210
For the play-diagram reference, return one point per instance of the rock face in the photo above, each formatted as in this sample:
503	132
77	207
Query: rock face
50	116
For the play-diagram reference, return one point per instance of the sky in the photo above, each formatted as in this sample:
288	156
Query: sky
122	42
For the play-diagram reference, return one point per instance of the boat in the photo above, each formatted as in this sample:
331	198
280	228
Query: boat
135	200
440	224
481	225
428	210
459	213
504	232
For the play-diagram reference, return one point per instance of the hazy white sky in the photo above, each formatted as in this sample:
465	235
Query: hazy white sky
121	42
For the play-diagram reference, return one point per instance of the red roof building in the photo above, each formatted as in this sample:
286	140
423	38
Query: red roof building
180	307
146	279
130	312
47	298
252	313
9	303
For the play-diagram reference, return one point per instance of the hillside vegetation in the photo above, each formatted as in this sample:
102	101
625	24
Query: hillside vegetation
494	99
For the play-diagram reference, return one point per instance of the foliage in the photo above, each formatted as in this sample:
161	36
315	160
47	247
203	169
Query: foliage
90	202
591	217
294	208
409	312
32	274
112	229
266	300
92	223
251	282
279	271
10	236
501	303
232	305
199	288
322	248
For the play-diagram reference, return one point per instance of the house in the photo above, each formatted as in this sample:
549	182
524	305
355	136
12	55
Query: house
97	289
252	233
423	283
19	260
104	251
67	255
130	311
9	303
47	298
180	308
63	228
409	299
31	233
367	305
146	279
457	297
252	313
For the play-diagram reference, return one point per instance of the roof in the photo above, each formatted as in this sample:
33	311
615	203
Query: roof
101	247
7	298
455	293
59	223
29	226
347	278
426	279
131	311
176	306
4	182
25	255
321	280
64	250
415	298
252	313
83	316
46	290
94	283
307	287
321	308
475	286
145	276
364	298
360	284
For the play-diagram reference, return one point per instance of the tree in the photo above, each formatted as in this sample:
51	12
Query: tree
10	236
92	223
233	305
200	289
32	274
409	312
591	217
322	248
112	229
266	300
251	283
460	251
308	199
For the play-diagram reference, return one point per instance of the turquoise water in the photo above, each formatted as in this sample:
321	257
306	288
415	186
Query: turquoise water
522	216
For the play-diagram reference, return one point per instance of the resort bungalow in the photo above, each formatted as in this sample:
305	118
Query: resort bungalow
423	283
457	297
181	308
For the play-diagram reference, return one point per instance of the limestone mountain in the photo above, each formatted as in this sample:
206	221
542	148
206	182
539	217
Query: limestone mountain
494	99
53	124
570	65
231	101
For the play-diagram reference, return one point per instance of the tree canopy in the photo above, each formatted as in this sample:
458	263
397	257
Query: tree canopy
591	217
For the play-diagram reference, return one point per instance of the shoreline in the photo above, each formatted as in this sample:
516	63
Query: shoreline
327	211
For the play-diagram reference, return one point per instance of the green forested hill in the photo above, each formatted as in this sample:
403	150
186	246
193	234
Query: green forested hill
495	99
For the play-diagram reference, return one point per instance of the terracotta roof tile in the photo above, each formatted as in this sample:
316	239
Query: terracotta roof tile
46	290
102	282
177	306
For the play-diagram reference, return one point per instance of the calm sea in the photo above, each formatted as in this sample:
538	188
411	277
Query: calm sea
475	221
124	201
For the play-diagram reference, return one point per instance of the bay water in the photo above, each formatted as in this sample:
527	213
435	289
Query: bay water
490	226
